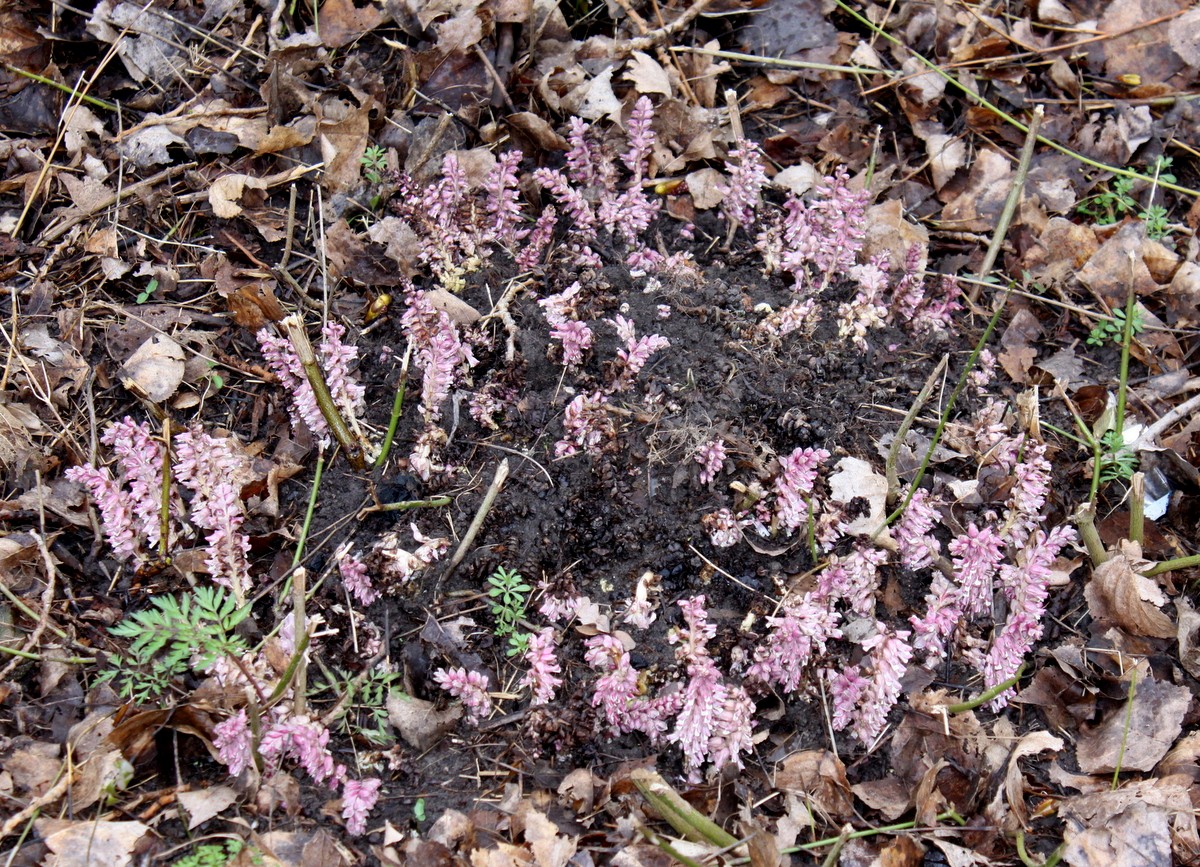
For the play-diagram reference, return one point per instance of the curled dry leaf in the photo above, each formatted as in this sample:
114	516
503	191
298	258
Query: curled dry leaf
156	369
856	478
85	843
1135	738
819	776
1133	825
1032	744
419	722
1118	594
226	190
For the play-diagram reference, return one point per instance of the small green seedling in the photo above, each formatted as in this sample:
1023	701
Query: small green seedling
509	594
1113	329
148	293
1112	205
374	162
210	855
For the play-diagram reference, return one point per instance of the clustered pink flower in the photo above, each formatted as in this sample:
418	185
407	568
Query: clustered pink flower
747	176
1026	586
116	513
358	800
336	359
617	694
438	350
977	555
539	239
356	580
854	578
716	718
637	350
131	504
723	527
141	459
307	742
864	703
794	485
555	606
1031	487
470	687
590	196
397	564
798	632
503	204
234	742
711	458
586	425
912	532
542	678
214	472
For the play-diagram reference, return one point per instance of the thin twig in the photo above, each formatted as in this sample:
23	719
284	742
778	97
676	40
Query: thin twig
481	514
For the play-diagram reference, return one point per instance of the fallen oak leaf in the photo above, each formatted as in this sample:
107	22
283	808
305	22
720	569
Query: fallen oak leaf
226	190
1119	594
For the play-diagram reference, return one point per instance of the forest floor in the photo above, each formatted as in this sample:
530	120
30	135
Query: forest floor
599	393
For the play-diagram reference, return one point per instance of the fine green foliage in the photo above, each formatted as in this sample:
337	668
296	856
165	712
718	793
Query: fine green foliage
374	162
1117	460
510	595
173	636
1114	204
1114	329
210	855
368	696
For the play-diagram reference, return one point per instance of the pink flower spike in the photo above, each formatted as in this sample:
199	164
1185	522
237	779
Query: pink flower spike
233	740
711	458
358	800
356	580
470	687
542	678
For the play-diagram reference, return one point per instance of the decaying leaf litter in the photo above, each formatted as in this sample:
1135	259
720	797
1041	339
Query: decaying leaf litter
717	522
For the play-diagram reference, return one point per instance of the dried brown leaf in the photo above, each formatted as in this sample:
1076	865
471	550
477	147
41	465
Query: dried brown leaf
1118	594
156	369
87	843
647	74
340	22
1129	825
1031	744
1135	738
820	776
419	722
226	190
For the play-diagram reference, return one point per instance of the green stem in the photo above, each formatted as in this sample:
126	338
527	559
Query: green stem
57	85
405	505
945	417
397	406
1085	520
1137	508
870	832
1123	383
974	97
312	507
30	613
984	697
1189	562
25	654
1125	730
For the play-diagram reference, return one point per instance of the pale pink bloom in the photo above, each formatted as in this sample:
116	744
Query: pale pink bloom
747	176
912	532
556	607
586	425
724	529
115	506
798	633
356	580
542	679
977	554
889	656
234	742
470	687
358	800
711	458
794	485
307	742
